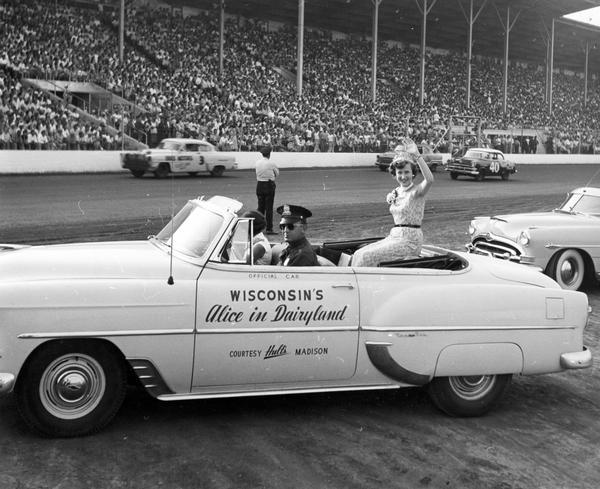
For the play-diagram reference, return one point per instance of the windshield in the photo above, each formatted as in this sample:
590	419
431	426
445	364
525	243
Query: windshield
584	204
475	154
168	145
192	230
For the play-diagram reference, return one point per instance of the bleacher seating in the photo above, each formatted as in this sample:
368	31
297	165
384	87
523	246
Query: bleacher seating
171	72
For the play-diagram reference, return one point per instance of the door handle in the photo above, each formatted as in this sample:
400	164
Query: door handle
343	286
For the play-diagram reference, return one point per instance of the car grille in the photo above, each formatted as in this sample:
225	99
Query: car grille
496	248
136	162
459	165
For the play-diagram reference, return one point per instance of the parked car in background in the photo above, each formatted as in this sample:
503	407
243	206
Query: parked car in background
565	242
433	160
481	163
190	316
190	156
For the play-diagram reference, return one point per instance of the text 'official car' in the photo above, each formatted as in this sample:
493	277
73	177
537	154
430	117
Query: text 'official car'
190	316
190	156
565	242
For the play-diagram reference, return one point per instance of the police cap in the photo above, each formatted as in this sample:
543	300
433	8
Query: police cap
293	213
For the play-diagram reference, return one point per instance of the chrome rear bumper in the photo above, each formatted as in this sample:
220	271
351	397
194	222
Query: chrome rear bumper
7	381
576	359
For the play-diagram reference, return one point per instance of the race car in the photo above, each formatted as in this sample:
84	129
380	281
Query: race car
480	163
188	315
178	156
433	160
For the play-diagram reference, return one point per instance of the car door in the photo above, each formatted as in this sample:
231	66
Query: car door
273	324
183	159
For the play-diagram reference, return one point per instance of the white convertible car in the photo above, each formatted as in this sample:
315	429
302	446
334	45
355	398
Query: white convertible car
188	316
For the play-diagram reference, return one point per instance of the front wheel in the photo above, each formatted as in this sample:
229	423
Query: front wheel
468	396
568	269
162	171
71	388
217	171
505	175
453	175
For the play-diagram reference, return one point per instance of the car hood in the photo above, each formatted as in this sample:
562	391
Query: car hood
511	225
121	259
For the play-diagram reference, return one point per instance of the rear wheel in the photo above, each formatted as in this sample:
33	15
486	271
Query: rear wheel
217	171
568	269
162	171
137	173
433	167
453	175
71	388
472	395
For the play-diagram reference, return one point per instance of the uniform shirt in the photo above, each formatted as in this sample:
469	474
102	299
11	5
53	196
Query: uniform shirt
266	170
298	254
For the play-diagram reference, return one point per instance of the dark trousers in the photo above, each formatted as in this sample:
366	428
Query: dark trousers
265	191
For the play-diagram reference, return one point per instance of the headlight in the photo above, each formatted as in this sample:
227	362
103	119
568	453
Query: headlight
524	238
472	228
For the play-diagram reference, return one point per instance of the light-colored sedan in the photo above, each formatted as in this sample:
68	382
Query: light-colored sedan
189	316
175	155
565	242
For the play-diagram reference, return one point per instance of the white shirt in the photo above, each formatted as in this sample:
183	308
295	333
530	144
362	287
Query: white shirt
266	170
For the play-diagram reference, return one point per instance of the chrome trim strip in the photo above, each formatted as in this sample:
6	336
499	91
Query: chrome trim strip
93	334
555	245
392	329
276	330
95	306
384	362
218	395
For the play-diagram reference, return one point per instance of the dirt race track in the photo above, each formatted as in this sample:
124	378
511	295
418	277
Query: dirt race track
544	434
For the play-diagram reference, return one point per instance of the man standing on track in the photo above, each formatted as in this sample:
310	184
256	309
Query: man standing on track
266	173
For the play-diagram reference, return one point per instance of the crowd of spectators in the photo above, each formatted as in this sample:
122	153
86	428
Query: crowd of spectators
170	77
30	119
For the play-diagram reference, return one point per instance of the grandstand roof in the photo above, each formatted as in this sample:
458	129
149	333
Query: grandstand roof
447	26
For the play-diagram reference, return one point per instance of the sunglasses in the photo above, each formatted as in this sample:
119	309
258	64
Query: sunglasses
290	226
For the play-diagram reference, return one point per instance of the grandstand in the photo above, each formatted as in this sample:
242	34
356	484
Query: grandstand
61	62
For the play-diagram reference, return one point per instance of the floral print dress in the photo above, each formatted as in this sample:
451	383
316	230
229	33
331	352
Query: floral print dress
407	206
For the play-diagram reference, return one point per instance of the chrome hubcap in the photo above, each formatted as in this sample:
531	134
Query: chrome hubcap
72	386
569	273
472	387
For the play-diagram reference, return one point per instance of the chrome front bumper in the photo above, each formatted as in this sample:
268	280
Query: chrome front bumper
7	381
576	359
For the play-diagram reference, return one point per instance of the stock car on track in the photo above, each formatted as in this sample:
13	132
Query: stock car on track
481	163
565	242
189	316
178	156
433	160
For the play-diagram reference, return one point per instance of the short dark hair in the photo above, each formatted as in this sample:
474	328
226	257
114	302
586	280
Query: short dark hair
396	164
266	151
259	220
